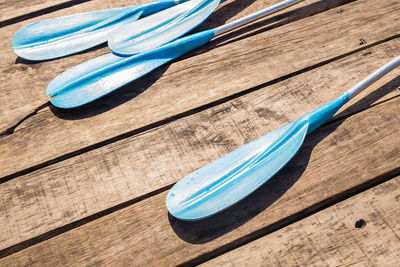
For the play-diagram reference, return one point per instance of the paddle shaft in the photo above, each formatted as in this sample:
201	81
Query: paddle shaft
373	77
259	14
229	179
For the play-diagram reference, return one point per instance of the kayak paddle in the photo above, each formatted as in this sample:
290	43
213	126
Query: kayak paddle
58	37
231	178
131	39
99	76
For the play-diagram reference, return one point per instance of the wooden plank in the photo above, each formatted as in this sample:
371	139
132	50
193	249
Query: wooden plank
168	154
29	80
13	9
144	234
40	74
202	79
141	164
332	237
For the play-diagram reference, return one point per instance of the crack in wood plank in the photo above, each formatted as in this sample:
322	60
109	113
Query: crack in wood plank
73	125
11	130
127	180
165	121
276	21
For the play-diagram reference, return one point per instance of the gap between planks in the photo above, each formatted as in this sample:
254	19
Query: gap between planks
103	128
129	235
363	229
9	61
296	93
166	120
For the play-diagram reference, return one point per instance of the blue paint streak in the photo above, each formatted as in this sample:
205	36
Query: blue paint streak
234	176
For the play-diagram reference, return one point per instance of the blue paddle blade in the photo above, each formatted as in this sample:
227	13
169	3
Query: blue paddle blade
102	75
232	177
53	38
131	39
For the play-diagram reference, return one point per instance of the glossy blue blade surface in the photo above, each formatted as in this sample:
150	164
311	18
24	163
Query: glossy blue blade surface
234	176
53	38
180	19
229	179
102	75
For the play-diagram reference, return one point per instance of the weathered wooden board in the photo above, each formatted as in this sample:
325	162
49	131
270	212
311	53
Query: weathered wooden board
12	9
29	80
332	237
341	156
202	78
20	102
76	188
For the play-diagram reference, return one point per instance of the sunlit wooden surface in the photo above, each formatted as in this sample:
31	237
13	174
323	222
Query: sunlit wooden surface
88	186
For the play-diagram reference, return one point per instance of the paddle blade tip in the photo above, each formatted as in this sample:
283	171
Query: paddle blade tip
58	102
124	51
174	207
65	99
24	51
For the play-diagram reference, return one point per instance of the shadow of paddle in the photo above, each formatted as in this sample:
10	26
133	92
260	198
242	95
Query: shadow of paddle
222	14
133	89
206	230
138	86
269	23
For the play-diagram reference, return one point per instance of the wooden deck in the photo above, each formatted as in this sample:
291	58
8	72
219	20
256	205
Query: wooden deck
88	186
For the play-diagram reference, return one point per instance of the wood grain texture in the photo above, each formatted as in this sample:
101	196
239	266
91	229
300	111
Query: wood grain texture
51	197
29	79
334	159
189	83
330	237
13	67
